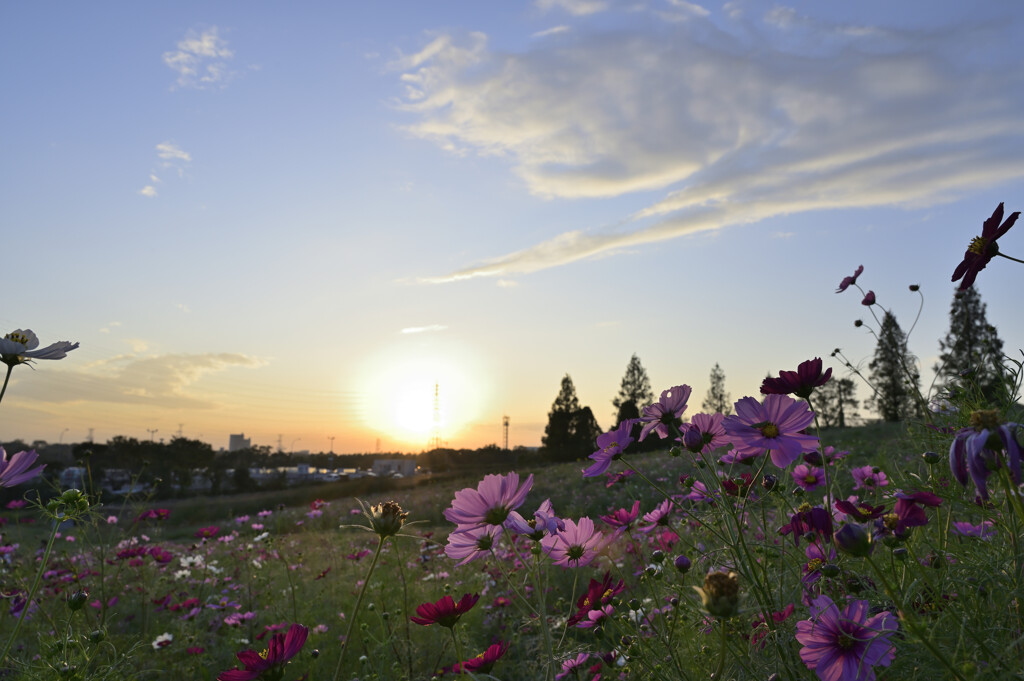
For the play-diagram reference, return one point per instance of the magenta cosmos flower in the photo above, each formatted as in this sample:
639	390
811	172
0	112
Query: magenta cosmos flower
17	469
773	426
281	649
543	523
847	282
667	411
575	546
622	518
490	503
482	663
983	248
446	611
802	382
869	299
808	477
845	645
868	477
611	446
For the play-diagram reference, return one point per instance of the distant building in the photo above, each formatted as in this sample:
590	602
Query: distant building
394	467
240	441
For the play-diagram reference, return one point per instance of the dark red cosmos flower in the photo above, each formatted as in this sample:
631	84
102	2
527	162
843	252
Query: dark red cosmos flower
484	662
445	612
908	511
847	282
738	487
861	511
598	594
808	519
869	299
983	248
801	382
282	648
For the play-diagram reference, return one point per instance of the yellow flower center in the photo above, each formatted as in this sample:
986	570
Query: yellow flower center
978	245
770	430
264	653
17	338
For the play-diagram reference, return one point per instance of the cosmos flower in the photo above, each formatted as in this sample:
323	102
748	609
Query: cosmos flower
808	477
490	503
622	518
19	347
659	516
847	282
665	412
983	448
772	426
281	649
597	597
162	641
802	382
869	299
482	663
845	645
611	446
16	470
446	611
966	529
473	543
983	248
572	666
868	477
575	546
544	522
704	433
808	519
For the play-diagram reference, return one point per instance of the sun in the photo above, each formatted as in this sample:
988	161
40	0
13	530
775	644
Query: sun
416	393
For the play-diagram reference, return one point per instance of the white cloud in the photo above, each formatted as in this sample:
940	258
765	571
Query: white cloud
183	307
726	127
161	380
200	60
424	329
171	152
574	7
554	30
149	191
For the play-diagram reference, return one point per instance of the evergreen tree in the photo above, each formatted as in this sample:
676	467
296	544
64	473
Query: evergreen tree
635	388
568	425
835	402
627	410
972	348
894	374
717	399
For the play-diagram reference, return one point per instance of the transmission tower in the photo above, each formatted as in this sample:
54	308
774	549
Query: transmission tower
435	440
504	424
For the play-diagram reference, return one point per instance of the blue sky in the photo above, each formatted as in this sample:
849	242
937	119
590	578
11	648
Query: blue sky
292	220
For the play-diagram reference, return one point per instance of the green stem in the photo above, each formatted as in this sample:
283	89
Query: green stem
721	656
909	621
10	367
1011	258
35	583
458	651
355	611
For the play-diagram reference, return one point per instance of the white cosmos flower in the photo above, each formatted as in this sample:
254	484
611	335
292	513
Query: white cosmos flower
19	347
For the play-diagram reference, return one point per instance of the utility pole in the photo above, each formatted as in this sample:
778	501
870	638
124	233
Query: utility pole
60	440
504	424
331	438
152	432
90	434
180	426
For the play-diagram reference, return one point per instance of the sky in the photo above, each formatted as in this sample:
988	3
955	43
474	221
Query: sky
294	220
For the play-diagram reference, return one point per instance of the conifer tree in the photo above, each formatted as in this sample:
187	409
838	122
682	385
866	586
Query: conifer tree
717	399
635	388
835	402
971	351
572	431
894	374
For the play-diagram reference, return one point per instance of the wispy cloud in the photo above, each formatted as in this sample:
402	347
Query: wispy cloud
149	191
200	60
424	329
574	7
161	380
728	124
554	30
171	157
169	151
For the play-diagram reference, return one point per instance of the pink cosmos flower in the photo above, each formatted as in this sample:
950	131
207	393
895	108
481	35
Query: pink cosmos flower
965	529
610	445
808	477
16	470
622	518
446	611
704	433
282	648
666	412
575	546
772	426
572	665
544	522
490	503
845	645
984	448
482	663
865	477
472	543
659	516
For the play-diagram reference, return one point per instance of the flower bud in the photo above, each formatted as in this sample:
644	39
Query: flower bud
657	556
769	482
386	519
931	458
829	570
915	288
693	440
854	539
682	563
78	599
721	593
